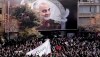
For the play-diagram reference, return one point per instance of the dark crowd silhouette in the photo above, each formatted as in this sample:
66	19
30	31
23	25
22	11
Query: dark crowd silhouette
75	46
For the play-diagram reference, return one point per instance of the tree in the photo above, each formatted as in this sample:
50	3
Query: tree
94	25
2	40
97	18
28	19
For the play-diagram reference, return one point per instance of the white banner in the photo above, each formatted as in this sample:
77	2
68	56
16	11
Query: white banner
45	48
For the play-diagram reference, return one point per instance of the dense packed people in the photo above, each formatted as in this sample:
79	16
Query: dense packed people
60	47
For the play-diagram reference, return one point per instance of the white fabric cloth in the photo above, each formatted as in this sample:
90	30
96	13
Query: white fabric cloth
45	48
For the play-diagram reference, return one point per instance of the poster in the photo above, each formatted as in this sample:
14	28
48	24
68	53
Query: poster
55	14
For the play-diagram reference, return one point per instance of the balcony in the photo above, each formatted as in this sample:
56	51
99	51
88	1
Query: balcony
88	3
87	15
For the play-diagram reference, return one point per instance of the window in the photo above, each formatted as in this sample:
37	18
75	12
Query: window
87	9
85	0
93	9
0	10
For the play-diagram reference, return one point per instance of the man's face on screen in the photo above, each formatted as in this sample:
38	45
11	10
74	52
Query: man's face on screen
44	10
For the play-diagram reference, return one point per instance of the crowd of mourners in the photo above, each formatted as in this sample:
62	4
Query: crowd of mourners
77	46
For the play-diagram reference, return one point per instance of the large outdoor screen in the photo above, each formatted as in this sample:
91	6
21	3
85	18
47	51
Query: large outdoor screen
55	14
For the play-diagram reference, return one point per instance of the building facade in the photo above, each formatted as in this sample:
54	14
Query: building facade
2	12
7	23
87	9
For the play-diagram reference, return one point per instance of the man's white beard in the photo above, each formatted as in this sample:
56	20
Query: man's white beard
46	18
